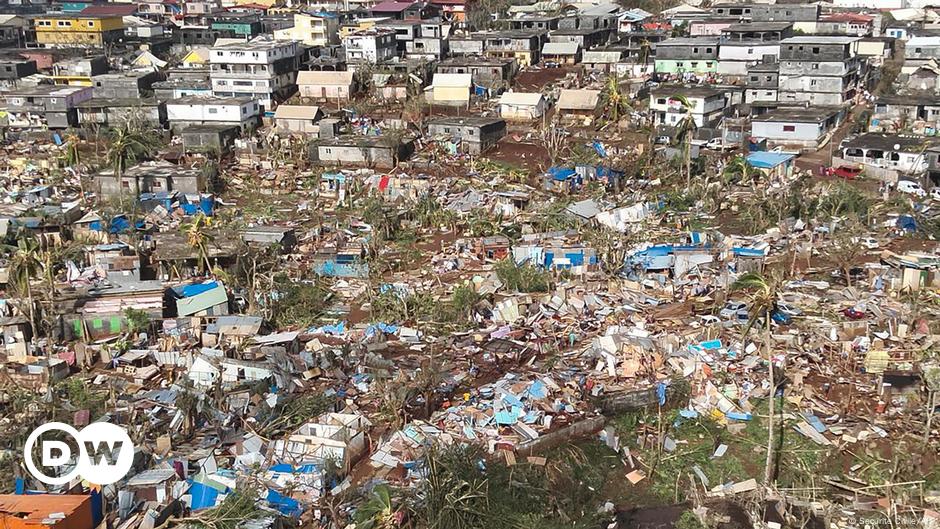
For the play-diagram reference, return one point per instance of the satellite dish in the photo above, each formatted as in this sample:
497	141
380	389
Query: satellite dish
897	146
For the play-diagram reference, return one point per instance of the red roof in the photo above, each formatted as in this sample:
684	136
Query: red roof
110	10
392	6
449	2
847	17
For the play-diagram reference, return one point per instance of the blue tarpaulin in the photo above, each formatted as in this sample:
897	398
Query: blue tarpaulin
203	496
748	252
285	505
601	151
561	173
768	160
907	223
188	291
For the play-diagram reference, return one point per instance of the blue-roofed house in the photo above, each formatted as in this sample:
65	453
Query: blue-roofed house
775	165
201	299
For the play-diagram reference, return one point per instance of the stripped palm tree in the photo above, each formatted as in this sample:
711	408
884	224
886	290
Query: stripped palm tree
614	103
762	292
129	145
25	263
685	131
198	239
73	159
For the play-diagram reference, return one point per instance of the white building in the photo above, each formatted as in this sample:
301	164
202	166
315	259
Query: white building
706	105
241	111
735	57
320	29
370	45
262	69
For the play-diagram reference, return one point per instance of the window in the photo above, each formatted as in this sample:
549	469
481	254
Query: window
816	51
789	128
64	23
157	184
754	78
708	50
694	64
768	93
694	50
750	51
918	50
812	82
213	110
91	23
328	150
661	101
125	184
770	78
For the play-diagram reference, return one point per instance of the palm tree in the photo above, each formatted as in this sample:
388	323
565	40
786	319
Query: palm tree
128	145
739	168
198	239
645	52
614	102
685	130
763	295
25	263
73	159
379	511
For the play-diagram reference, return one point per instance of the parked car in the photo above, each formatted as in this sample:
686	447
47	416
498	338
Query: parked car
853	314
935	193
788	309
731	309
911	188
847	171
868	242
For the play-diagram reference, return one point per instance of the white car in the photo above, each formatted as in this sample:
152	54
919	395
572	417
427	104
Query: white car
788	309
731	310
867	242
911	188
935	193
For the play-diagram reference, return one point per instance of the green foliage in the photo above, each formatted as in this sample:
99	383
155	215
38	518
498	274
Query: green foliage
688	520
844	199
137	320
395	306
77	392
462	301
297	410
298	303
237	508
524	278
379	511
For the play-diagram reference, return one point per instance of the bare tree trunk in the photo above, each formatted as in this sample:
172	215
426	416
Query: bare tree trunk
931	409
771	411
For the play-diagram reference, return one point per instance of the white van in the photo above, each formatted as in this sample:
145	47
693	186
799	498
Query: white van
911	188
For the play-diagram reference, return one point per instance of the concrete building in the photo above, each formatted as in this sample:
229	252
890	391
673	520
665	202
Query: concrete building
299	119
243	112
483	71
370	45
762	83
261	69
151	177
525	46
45	106
12	69
679	56
318	29
819	70
124	85
77	31
452	89
115	111
706	105
326	86
354	150
473	135
919	51
902	153
915	113
802	129
522	106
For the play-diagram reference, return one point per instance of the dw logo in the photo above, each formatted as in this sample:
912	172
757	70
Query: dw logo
105	453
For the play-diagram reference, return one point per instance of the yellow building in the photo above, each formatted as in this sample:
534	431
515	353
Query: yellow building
77	31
